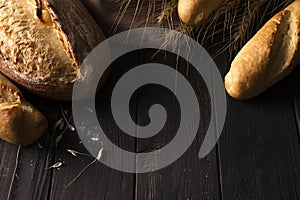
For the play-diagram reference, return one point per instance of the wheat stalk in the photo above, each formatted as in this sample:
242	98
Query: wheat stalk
235	20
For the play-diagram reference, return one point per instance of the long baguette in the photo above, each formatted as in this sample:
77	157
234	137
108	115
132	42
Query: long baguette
268	57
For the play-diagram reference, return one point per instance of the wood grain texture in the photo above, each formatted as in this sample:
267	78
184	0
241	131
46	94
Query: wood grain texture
189	177
259	149
8	156
24	174
98	181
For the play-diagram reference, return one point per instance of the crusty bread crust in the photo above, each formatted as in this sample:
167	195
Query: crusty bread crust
42	52
20	123
268	57
195	12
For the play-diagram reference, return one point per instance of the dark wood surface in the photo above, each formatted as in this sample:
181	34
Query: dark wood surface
257	156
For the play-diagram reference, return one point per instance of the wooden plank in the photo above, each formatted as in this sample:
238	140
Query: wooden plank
23	174
189	177
295	82
9	160
97	181
259	148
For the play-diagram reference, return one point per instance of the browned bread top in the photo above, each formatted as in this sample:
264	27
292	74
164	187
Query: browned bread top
268	57
43	42
195	12
20	123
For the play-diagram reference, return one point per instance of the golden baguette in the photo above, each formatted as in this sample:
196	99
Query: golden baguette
268	57
20	123
195	12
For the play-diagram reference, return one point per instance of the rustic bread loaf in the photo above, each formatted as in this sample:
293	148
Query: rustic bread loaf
20	123
268	57
43	43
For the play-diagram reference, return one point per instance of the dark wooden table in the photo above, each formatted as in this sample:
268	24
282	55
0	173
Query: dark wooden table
257	156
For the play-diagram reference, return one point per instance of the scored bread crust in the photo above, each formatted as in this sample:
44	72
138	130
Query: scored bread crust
20	122
268	57
43	53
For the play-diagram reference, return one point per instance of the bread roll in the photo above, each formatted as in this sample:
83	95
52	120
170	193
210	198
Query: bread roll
20	123
43	43
268	57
